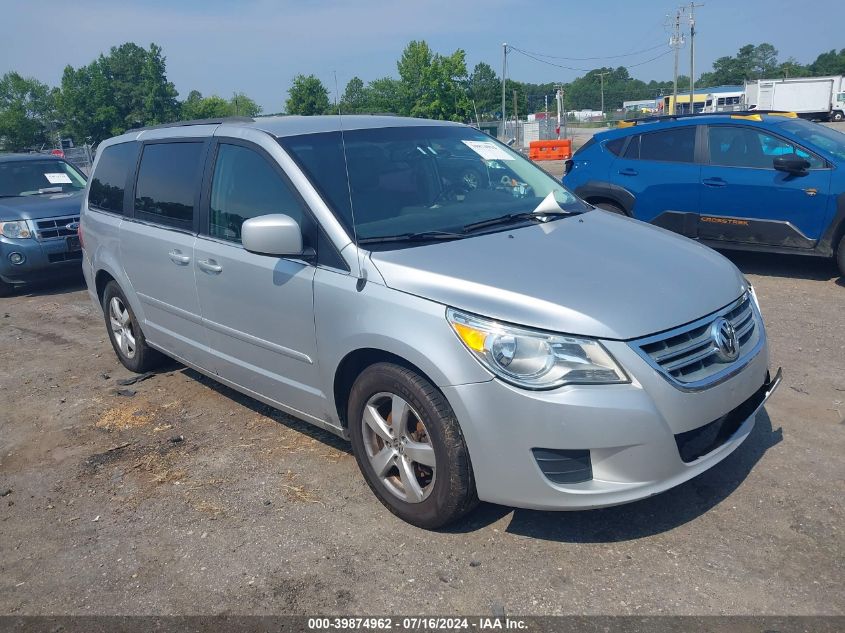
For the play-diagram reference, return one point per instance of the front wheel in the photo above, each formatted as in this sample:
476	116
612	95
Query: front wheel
840	256
409	446
609	206
838	116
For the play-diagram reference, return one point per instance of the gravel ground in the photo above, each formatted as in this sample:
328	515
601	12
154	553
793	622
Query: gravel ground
178	496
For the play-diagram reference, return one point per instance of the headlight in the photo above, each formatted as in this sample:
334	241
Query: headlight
535	360
15	230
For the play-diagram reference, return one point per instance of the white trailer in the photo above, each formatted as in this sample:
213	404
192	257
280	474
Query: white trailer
819	98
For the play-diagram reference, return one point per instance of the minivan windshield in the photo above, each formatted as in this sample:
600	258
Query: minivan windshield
817	134
38	177
431	182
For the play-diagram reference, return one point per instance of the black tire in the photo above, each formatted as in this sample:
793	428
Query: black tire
142	357
840	256
837	116
6	289
452	491
609	206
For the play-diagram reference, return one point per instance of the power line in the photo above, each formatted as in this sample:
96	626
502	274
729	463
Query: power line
584	70
587	59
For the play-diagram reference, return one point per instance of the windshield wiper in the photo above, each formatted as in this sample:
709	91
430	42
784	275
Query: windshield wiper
548	208
420	236
514	217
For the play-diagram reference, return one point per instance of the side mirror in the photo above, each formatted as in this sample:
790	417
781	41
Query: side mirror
273	234
791	164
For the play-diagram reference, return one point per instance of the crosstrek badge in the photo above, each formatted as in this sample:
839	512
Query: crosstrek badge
734	221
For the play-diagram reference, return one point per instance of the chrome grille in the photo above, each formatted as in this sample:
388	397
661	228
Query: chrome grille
688	355
54	228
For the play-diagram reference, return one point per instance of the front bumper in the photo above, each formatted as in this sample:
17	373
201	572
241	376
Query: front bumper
633	433
41	259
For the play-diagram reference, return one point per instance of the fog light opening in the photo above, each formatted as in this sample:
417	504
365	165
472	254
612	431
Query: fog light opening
17	258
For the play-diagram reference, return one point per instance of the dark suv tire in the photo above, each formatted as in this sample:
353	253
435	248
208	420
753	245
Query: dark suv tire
840	255
409	446
609	206
125	333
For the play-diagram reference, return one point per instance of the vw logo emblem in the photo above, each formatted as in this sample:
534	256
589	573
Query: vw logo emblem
724	340
73	226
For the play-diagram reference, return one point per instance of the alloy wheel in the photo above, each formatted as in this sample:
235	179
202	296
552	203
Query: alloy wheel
398	447
121	327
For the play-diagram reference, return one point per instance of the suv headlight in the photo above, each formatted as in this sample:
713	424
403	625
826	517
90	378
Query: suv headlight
532	359
15	230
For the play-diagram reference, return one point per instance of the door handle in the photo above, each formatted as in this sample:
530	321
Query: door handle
210	266
627	172
714	182
177	257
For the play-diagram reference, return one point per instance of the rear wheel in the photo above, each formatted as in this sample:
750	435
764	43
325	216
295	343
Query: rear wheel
409	446
125	333
609	206
840	256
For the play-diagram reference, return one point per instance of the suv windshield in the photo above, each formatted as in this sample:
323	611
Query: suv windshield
819	135
422	179
37	177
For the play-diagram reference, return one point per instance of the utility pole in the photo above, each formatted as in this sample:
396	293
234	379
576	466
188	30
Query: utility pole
601	76
676	41
692	7
504	74
515	118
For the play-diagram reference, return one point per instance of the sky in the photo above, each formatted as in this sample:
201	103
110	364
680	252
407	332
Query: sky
258	46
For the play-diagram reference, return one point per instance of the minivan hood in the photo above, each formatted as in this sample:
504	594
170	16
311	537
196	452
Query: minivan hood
40	207
597	274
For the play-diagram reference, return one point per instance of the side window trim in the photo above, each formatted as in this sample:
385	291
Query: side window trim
129	200
767	132
204	215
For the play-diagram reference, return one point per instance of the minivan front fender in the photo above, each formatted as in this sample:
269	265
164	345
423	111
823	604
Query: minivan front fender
381	319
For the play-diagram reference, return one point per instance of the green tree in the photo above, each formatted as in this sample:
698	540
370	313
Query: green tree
27	110
830	63
384	96
160	104
354	99
242	105
485	89
432	85
308	96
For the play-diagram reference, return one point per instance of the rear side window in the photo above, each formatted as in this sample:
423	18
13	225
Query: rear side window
676	145
245	186
167	184
109	182
615	146
633	149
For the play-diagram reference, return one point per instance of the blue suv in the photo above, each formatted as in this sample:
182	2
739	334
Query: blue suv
752	181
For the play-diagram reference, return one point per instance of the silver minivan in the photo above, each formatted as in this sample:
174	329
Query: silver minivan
474	329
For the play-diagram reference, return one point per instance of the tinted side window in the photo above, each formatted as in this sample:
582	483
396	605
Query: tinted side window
109	181
167	183
633	149
737	146
676	145
615	146
245	186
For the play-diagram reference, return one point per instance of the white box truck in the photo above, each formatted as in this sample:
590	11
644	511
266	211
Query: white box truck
815	98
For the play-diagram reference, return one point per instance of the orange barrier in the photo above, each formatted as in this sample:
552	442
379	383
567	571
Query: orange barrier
550	150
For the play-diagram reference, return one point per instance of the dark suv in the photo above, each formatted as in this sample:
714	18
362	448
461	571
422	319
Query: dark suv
39	217
753	181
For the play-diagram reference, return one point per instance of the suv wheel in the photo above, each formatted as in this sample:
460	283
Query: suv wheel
609	206
125	334
840	256
409	446
6	289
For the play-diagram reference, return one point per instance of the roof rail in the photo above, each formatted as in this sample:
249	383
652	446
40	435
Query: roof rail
212	121
673	117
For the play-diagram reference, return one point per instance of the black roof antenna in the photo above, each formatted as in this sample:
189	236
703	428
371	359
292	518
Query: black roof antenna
362	274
